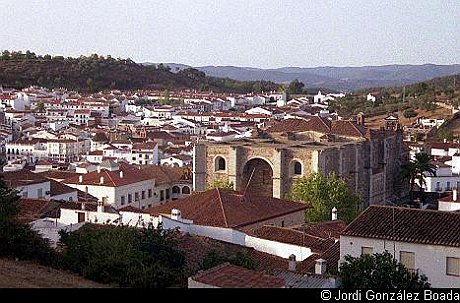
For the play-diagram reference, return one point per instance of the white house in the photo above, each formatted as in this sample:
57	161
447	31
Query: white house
28	184
450	203
425	241
370	97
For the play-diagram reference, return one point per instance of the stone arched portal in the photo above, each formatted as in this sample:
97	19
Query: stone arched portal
261	181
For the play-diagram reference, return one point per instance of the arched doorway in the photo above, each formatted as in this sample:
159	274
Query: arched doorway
261	181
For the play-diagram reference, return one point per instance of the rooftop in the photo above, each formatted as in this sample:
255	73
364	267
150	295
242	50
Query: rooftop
227	275
411	225
228	208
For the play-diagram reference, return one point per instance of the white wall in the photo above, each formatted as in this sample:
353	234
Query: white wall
449	206
72	196
430	259
32	190
237	237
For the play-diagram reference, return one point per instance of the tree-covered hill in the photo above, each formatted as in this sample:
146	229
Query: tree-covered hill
95	73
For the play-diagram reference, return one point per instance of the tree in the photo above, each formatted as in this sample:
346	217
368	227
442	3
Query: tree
379	271
18	239
409	113
323	193
295	87
40	107
219	184
415	170
214	258
127	256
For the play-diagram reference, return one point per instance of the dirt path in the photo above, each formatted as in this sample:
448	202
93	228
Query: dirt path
19	274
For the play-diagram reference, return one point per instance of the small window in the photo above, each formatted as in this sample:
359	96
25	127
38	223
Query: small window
122	200
367	250
407	259
162	195
452	266
130	198
150	193
136	196
143	195
40	193
220	163
167	193
297	168
176	190
186	190
25	194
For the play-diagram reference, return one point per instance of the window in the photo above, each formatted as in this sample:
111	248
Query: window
220	163
438	186
458	184
70	199
143	195
448	187
167	193
186	190
176	190
25	194
136	196
130	198
452	266
40	193
367	250
162	195
407	259
297	168
150	193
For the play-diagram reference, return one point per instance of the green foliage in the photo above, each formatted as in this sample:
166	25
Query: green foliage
295	87
416	169
409	113
95	73
123	255
214	258
219	184
18	239
379	271
323	193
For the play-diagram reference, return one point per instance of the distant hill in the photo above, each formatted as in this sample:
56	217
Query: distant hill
338	78
95	73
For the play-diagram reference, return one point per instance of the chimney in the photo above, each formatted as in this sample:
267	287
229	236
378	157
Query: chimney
445	140
121	174
320	267
101	180
100	206
334	214
80	179
98	169
83	206
454	194
292	263
175	214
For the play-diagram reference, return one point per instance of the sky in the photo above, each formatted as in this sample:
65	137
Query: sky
254	33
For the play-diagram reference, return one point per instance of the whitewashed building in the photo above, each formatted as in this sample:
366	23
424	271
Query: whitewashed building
425	241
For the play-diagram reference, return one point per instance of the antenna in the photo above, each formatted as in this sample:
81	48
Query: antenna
247	185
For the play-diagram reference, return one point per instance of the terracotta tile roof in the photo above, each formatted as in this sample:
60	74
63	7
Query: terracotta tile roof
294	237
347	128
331	255
58	175
227	275
23	177
58	188
100	137
411	225
226	208
324	229
144	146
32	209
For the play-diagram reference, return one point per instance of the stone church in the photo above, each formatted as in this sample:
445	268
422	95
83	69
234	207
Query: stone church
270	161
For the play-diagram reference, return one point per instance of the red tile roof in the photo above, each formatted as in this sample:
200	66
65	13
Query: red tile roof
23	177
227	275
227	208
324	229
411	225
31	209
58	188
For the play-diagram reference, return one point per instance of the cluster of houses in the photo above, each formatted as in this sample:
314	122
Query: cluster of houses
126	158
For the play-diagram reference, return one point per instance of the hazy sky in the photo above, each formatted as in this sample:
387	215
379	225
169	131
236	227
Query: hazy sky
257	33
